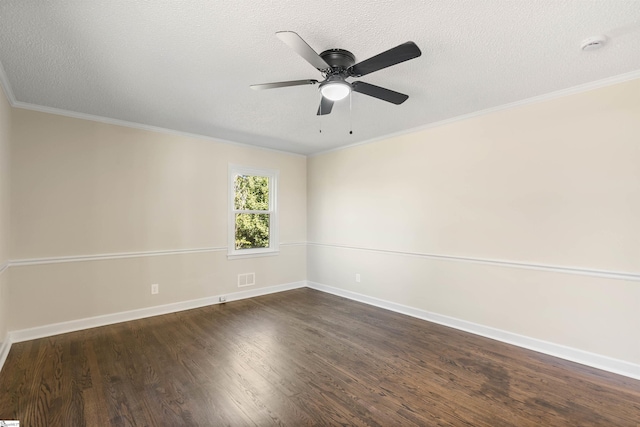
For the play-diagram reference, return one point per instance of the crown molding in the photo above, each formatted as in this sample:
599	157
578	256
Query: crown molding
609	81
4	82
6	87
140	126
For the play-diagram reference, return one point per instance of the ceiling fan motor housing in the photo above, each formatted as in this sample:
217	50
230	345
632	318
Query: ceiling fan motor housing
338	58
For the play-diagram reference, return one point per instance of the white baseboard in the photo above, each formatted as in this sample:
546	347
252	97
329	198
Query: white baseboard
125	316
605	363
598	361
5	346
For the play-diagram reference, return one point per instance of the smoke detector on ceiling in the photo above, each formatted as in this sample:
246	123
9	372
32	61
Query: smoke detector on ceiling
593	43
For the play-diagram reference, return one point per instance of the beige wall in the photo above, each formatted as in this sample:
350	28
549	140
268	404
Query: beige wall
554	183
84	188
5	130
4	306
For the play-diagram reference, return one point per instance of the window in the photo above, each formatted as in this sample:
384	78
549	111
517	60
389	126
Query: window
253	221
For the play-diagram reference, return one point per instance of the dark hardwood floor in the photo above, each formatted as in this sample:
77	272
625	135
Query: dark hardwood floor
298	358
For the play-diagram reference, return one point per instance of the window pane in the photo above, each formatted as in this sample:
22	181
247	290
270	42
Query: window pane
252	231
251	193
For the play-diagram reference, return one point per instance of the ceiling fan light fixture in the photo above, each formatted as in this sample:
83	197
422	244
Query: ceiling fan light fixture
337	65
335	90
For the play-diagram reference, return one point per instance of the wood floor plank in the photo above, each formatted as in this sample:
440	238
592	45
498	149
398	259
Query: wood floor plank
301	358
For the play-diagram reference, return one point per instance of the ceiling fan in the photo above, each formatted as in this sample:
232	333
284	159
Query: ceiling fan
336	65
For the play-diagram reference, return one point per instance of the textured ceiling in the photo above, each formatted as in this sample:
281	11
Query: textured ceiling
187	65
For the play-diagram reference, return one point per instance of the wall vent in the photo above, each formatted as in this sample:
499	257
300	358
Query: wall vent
246	279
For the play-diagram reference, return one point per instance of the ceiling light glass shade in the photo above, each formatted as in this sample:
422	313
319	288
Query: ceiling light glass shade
336	90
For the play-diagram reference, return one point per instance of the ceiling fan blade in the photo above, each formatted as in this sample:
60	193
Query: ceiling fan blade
379	92
396	55
295	42
283	84
325	106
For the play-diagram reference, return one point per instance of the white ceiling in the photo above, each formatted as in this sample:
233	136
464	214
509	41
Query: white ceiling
187	65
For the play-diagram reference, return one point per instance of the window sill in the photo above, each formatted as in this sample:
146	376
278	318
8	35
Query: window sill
253	255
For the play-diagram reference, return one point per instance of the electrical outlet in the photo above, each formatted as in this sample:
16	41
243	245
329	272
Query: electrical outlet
223	299
155	289
357	277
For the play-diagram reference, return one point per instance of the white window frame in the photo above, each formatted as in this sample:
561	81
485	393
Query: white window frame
274	246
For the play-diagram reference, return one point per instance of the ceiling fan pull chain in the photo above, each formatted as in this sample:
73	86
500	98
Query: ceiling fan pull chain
350	115
320	115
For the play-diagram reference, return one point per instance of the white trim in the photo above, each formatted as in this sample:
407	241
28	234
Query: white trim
117	122
605	363
609	81
119	255
253	255
5	347
141	313
598	361
4	81
99	257
607	274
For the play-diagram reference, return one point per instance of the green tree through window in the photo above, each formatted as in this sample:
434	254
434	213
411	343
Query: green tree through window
252	217
253	212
